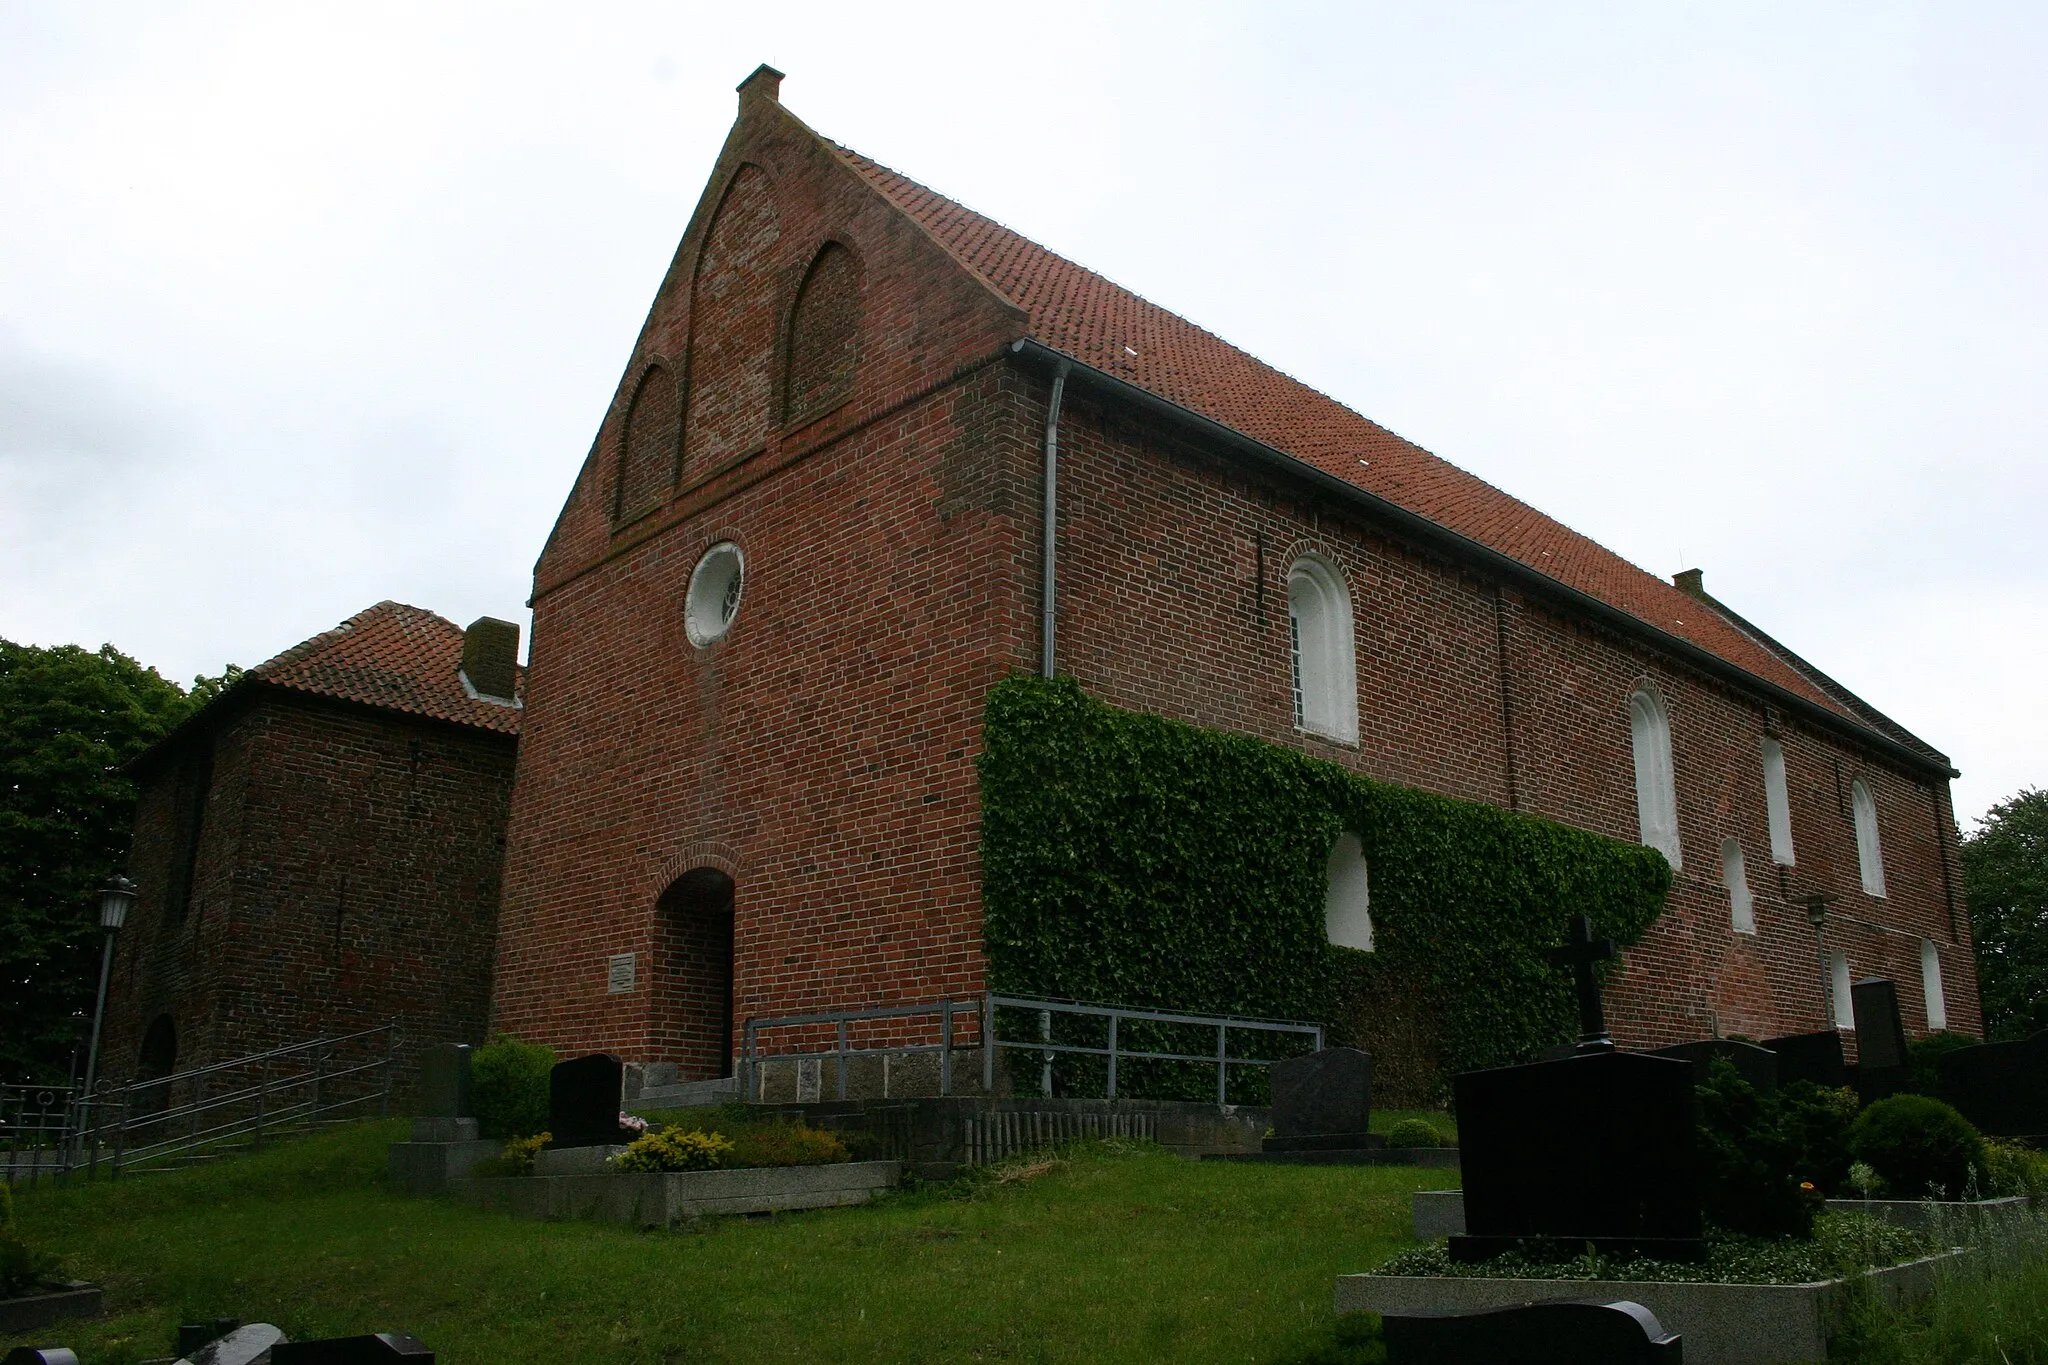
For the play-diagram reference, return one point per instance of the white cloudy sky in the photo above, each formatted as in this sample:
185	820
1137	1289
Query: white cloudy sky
303	307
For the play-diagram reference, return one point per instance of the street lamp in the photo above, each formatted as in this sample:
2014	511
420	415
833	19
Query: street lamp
117	893
1817	916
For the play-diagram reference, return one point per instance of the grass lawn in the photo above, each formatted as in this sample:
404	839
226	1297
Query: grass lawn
1139	1256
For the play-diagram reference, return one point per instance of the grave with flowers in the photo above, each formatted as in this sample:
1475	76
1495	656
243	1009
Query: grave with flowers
1611	1176
597	1161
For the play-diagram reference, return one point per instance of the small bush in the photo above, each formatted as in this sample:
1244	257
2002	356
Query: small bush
508	1086
1414	1133
1755	1160
1923	1057
2013	1168
672	1149
1919	1145
1816	1123
516	1159
786	1144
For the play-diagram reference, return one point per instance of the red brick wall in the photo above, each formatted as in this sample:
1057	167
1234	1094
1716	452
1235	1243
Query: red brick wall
347	877
821	753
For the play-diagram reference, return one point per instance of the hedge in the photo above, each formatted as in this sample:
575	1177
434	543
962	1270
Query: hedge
1130	859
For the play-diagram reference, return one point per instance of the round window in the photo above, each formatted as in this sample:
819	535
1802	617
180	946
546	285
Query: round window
714	597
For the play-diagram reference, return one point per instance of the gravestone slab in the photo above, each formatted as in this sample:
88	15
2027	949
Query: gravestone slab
1880	1039
243	1346
585	1095
1594	1148
444	1082
1815	1057
1322	1101
42	1355
2000	1087
376	1349
1556	1332
1757	1065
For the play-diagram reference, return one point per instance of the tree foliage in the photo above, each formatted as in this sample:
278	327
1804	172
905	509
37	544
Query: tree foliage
2005	872
69	719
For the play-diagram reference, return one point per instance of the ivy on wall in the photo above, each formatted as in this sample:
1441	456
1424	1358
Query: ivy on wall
1135	860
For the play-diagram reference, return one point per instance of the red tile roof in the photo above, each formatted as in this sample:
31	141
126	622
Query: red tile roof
391	655
1077	312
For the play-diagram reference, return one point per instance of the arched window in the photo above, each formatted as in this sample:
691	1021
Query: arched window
1656	796
1777	802
1741	908
824	336
647	448
1845	1000
1868	855
1325	668
1347	904
1930	982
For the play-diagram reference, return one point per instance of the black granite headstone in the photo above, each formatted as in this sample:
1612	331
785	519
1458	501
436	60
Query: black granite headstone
584	1096
1322	1101
380	1348
1555	1332
1815	1057
1880	1033
2000	1087
1757	1065
444	1082
1595	1148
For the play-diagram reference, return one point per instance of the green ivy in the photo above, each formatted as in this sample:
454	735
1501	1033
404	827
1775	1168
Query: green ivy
1136	860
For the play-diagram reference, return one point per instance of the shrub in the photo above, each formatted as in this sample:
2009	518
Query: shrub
1923	1057
1816	1121
1753	1158
673	1149
786	1144
508	1086
516	1159
1414	1133
1918	1145
2013	1168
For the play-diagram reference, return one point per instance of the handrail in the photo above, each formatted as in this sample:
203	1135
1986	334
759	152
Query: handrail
984	1008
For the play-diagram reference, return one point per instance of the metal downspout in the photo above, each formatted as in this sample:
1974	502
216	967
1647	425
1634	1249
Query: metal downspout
1049	595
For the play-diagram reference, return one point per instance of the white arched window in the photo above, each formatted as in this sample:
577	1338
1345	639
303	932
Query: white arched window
1741	908
1844	993
1777	802
1930	982
1325	667
1868	855
1656	796
1347	905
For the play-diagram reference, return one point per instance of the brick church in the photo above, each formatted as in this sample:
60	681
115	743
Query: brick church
873	452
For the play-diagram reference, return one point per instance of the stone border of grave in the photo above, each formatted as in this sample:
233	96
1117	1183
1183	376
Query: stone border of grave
1441	1213
1438	1157
76	1300
1722	1324
666	1198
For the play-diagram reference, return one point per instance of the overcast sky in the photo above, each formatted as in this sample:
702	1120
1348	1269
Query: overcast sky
302	308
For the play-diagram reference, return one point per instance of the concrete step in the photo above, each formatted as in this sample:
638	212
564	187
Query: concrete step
687	1094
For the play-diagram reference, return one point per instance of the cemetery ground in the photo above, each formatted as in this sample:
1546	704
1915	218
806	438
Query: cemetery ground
1101	1252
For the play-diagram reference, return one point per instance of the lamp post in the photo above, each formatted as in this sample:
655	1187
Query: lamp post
1817	916
116	895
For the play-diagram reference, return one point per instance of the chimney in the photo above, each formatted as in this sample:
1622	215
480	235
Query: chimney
764	84
1691	581
490	658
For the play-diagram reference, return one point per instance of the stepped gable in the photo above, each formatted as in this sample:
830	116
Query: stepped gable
392	656
1077	312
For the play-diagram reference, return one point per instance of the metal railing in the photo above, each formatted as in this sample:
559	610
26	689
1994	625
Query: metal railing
163	1118
988	1038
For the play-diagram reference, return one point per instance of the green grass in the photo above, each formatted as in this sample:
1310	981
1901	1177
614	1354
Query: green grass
1138	1256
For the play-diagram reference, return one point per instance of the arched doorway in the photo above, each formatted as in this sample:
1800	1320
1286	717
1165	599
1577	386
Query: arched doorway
695	981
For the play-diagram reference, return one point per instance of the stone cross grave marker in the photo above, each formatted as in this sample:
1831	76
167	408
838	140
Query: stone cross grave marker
584	1095
1592	1148
1556	1332
1322	1102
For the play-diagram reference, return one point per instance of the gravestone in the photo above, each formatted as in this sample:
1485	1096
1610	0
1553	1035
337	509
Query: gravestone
1815	1057
1880	1038
2000	1087
42	1355
375	1349
584	1099
1323	1102
243	1346
1555	1332
1596	1147
1757	1065
444	1082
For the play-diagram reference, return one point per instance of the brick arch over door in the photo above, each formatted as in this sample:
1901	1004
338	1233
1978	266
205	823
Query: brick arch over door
733	314
693	973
